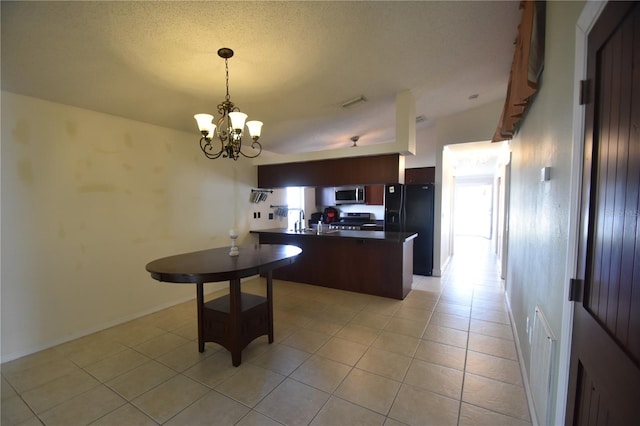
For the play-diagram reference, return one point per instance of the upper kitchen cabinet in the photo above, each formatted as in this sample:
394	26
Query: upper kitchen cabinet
420	175
378	169
325	196
374	195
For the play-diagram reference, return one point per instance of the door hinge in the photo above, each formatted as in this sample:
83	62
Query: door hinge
575	289
584	92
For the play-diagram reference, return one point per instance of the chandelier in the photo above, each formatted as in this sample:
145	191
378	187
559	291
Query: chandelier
230	126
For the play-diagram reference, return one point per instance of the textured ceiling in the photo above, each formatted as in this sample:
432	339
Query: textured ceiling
295	63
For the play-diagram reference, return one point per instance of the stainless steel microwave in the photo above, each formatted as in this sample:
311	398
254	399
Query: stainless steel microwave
350	195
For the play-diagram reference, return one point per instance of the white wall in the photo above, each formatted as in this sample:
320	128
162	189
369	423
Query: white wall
443	213
473	125
426	149
87	200
276	198
539	214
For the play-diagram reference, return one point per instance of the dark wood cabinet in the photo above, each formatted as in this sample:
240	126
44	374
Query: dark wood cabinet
374	195
364	265
376	169
420	175
325	196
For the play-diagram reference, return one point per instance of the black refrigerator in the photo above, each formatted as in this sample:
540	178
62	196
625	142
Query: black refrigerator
409	208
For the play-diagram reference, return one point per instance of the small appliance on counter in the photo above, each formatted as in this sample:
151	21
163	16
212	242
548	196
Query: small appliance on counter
330	215
315	218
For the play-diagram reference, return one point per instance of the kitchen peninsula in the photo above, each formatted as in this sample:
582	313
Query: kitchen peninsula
371	262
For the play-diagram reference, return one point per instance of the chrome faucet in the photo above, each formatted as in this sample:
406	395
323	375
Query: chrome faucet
299	225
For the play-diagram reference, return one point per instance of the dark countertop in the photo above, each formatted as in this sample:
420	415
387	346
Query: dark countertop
393	237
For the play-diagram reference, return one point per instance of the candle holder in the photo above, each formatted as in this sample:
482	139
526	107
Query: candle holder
234	251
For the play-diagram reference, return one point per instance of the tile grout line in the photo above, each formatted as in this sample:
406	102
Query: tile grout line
466	355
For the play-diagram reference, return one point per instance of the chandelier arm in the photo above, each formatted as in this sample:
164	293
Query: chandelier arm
207	148
222	131
253	144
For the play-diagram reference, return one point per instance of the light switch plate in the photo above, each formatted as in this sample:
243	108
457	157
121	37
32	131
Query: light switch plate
545	174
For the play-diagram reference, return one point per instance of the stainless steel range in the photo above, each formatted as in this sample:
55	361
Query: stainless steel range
353	221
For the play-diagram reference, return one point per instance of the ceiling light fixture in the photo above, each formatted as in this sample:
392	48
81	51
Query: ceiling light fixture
353	101
355	140
230	125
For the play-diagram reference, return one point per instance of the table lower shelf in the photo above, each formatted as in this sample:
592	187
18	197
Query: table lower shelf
219	326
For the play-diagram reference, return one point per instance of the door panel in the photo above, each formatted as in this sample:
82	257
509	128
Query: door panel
615	195
605	358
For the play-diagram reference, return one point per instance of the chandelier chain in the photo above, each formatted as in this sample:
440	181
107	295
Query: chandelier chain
226	66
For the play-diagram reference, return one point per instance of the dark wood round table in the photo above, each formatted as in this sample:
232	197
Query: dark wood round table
236	319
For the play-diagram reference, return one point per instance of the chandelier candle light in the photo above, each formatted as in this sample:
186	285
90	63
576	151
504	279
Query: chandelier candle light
230	125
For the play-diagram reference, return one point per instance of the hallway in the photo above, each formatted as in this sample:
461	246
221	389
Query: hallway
443	356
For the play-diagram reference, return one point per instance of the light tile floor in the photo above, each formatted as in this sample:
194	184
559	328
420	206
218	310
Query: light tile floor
443	356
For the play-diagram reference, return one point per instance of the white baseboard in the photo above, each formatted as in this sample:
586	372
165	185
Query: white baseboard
523	371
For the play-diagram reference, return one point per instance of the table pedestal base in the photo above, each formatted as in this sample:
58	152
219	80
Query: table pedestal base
235	320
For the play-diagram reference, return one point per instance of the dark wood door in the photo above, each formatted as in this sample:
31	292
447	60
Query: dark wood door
604	385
